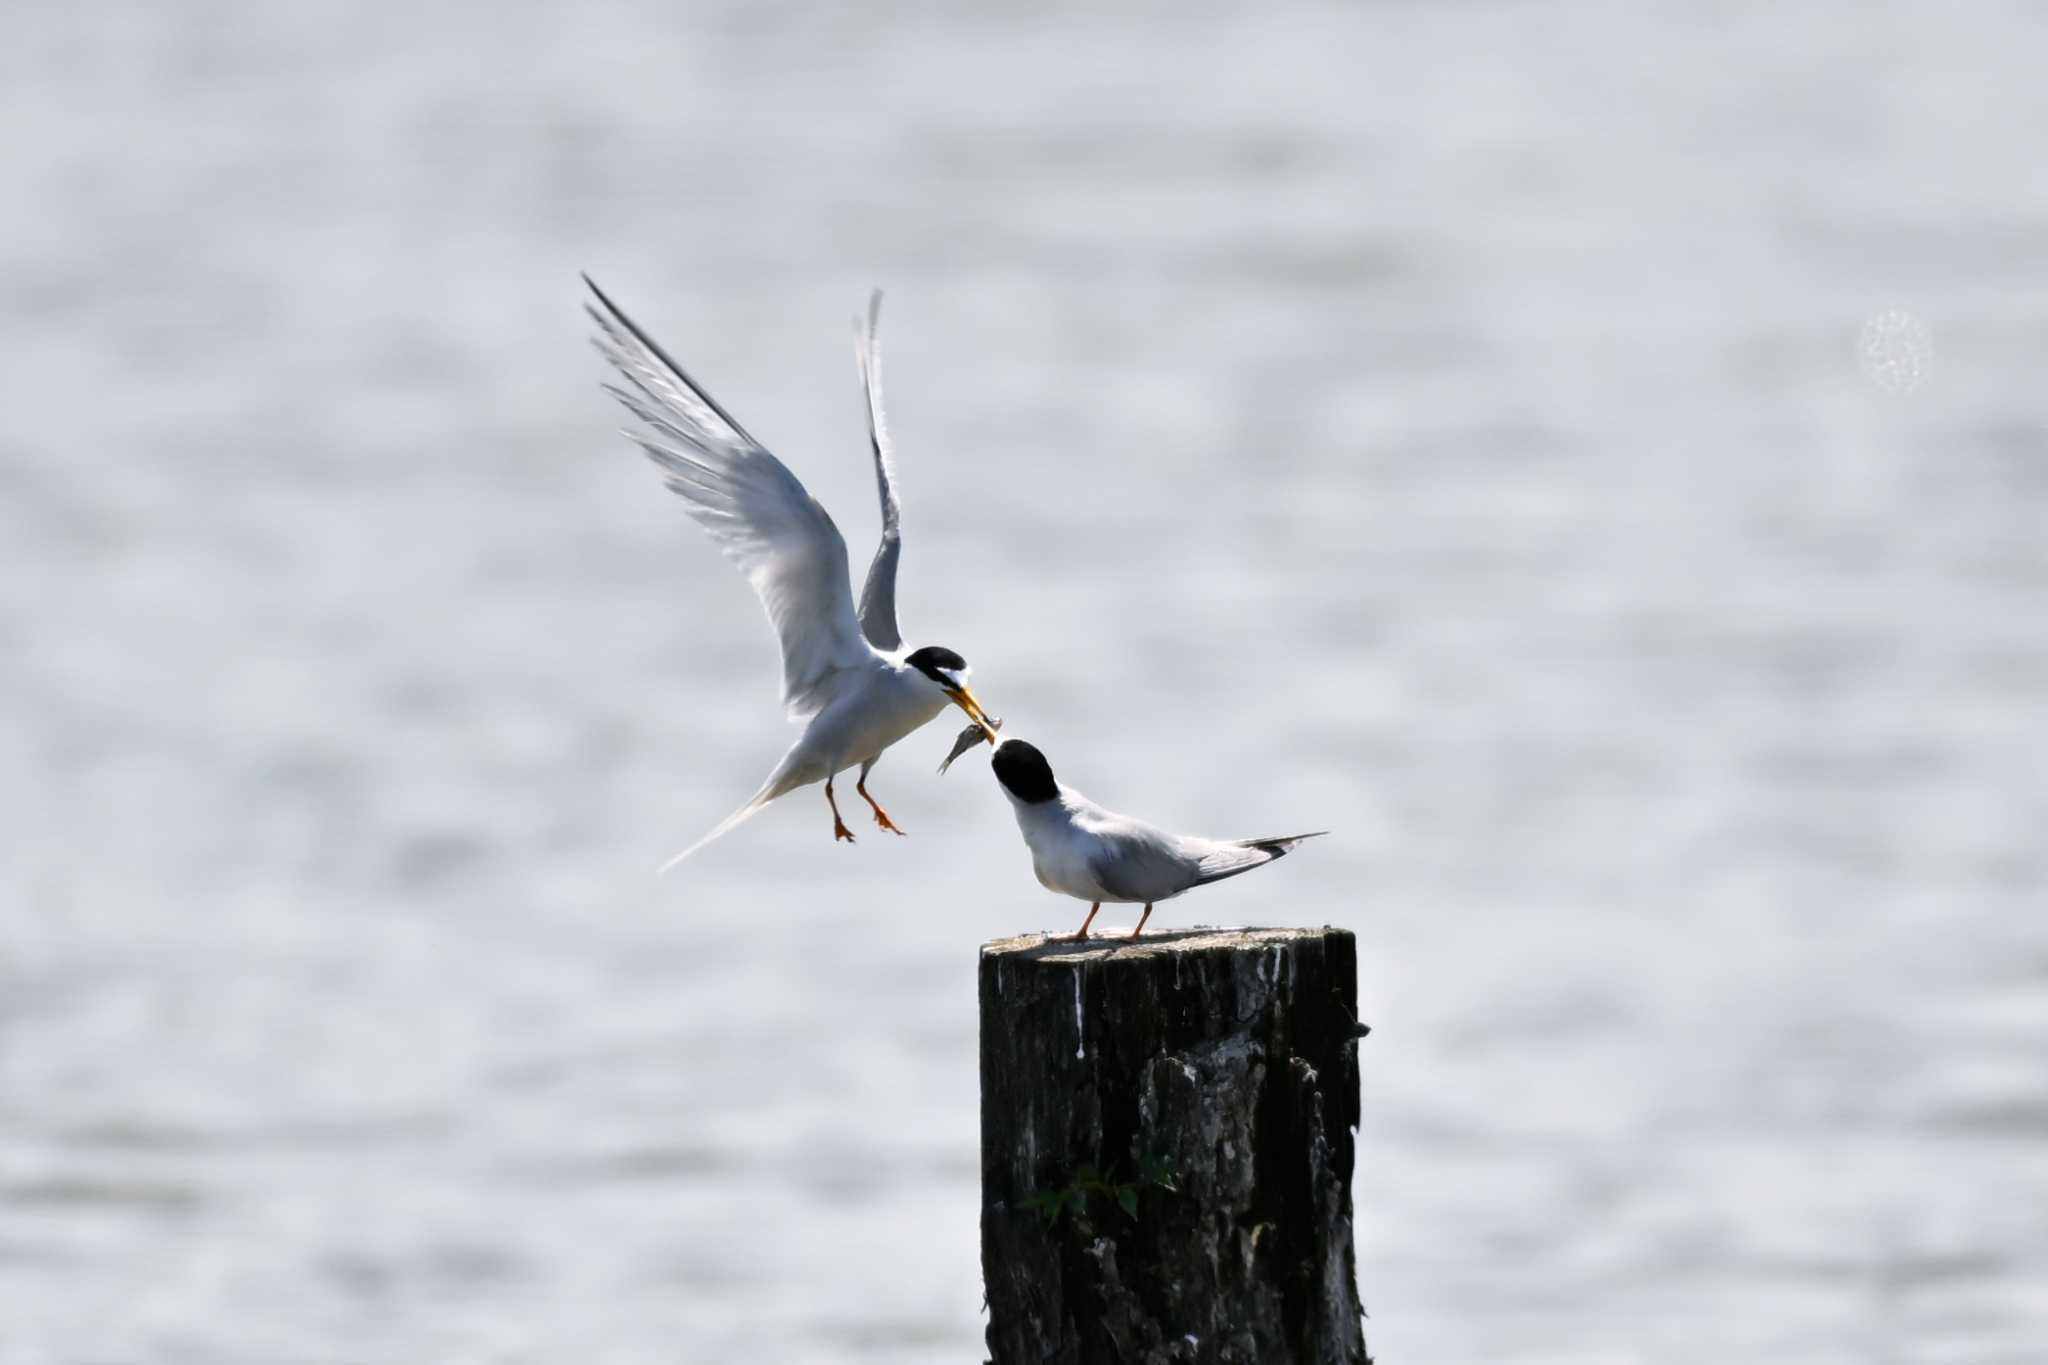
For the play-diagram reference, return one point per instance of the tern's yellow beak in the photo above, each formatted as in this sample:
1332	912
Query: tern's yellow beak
964	699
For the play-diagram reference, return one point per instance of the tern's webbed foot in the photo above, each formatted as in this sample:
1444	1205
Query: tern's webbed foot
840	831
882	819
1081	935
1141	925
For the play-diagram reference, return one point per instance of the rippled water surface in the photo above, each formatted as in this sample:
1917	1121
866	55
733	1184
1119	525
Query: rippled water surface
1443	423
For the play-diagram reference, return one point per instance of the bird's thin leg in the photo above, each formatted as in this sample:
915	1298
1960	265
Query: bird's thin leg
1081	936
839	829
1141	921
881	816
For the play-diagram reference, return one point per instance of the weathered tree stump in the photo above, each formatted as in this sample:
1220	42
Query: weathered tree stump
1166	1145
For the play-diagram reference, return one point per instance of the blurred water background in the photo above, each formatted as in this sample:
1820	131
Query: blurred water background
1439	422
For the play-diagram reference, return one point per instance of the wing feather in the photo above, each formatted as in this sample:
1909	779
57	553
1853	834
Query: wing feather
878	594
757	511
1135	862
1227	859
1140	863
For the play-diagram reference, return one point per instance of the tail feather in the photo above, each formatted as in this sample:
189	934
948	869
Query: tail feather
1242	855
725	826
778	783
1283	844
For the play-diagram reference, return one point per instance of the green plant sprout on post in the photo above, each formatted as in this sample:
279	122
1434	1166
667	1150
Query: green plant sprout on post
1153	1172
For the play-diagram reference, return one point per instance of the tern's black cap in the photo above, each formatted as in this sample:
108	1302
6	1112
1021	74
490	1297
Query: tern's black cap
935	662
1024	772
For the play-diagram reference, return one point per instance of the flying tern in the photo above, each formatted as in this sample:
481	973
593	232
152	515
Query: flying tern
846	675
1081	850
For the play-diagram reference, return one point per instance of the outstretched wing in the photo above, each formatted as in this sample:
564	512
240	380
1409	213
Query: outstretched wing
878	594
758	512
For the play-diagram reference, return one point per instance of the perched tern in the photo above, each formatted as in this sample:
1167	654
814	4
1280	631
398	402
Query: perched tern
1081	850
846	674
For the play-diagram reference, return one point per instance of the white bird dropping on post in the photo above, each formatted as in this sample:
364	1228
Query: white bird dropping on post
1080	1024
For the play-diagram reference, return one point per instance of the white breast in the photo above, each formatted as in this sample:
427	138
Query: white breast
1062	853
888	704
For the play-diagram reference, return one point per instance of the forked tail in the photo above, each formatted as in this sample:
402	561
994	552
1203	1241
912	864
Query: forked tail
1242	855
775	786
1282	844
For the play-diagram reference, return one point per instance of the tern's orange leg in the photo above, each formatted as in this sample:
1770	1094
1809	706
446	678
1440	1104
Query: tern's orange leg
881	816
839	829
1141	922
1082	935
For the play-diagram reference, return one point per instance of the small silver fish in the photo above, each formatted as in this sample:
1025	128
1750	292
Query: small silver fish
969	737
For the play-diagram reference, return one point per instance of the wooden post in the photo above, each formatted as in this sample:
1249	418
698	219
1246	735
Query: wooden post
1166	1143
